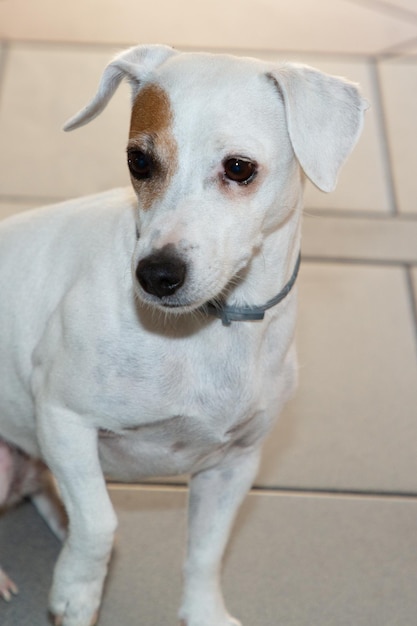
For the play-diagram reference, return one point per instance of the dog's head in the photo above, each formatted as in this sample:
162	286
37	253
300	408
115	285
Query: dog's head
218	148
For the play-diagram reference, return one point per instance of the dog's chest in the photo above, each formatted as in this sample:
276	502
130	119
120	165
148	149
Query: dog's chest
176	445
179	407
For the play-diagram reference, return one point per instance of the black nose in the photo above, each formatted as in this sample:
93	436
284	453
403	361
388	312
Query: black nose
161	273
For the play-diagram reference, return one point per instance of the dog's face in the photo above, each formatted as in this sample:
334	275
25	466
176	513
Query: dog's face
214	171
217	151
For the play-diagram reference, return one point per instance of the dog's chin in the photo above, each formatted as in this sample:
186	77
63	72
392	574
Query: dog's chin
179	308
174	305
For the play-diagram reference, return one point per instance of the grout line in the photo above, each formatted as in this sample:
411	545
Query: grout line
354	214
35	200
157	486
320	213
398	51
413	300
361	57
273	491
386	8
64	43
383	134
112	46
4	49
354	261
346	493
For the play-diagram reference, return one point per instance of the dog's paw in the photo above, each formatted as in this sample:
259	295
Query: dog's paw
224	620
59	620
77	605
205	609
7	587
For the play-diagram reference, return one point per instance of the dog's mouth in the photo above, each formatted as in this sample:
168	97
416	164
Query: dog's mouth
164	282
175	305
178	307
211	306
186	300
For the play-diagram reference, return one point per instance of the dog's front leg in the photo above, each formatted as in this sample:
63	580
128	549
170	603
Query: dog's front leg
70	449
214	499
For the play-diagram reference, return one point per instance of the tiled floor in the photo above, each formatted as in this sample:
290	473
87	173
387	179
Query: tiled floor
329	535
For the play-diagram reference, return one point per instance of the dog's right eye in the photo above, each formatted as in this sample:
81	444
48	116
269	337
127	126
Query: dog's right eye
239	170
140	164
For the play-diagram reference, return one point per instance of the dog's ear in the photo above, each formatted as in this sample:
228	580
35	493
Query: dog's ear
134	65
324	117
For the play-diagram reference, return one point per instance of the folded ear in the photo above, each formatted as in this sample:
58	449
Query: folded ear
133	64
324	117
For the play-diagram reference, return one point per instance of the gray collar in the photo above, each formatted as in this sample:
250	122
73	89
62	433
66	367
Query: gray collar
229	314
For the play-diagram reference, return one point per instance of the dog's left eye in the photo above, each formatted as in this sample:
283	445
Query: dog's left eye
239	170
140	164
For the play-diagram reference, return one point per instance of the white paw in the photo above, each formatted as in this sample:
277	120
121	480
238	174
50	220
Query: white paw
76	604
7	587
60	620
212	620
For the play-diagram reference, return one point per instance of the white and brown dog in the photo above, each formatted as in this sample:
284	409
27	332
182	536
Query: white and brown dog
152	334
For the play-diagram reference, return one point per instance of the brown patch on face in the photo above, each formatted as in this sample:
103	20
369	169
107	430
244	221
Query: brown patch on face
151	134
151	111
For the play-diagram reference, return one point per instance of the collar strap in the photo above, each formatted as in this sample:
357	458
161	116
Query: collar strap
229	314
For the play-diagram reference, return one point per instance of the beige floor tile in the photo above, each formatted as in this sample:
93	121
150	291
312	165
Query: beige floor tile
357	238
352	424
42	88
293	560
301	25
399	89
363	182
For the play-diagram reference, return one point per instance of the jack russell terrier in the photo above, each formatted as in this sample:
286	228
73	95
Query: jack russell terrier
151	334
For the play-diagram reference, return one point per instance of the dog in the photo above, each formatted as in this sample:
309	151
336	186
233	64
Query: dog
151	332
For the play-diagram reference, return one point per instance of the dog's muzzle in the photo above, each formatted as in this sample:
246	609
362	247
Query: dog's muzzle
161	273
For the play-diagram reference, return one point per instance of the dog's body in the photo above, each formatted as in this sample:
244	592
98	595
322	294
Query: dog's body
133	378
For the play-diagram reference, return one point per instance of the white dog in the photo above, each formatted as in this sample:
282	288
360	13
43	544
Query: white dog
153	334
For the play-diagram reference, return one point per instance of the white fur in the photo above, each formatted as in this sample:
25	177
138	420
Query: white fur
98	376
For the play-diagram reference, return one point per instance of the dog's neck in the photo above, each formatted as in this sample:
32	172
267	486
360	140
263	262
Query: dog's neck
269	277
230	313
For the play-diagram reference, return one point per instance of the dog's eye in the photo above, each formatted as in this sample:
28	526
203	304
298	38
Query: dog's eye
140	164
239	170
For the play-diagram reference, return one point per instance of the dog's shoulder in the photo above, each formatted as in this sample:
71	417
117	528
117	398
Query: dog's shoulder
51	236
107	203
